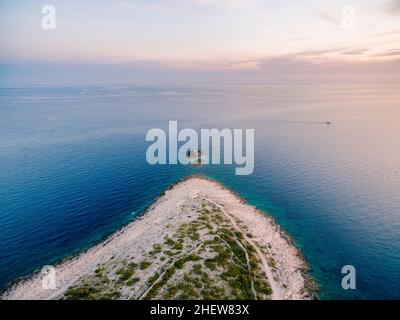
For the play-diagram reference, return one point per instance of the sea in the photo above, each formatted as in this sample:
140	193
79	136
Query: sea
73	167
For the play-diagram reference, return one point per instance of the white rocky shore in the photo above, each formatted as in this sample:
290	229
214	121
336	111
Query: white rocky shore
197	241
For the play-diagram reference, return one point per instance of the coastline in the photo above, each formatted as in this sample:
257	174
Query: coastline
283	265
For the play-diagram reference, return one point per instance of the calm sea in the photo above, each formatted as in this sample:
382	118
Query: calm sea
73	168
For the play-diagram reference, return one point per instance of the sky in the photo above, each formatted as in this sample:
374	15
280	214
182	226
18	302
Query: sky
156	37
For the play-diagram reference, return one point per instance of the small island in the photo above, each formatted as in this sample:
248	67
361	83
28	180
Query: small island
197	241
195	157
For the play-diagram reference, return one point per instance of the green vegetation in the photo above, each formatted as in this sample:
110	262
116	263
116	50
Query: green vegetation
79	293
126	271
156	249
223	253
87	292
132	281
144	265
205	259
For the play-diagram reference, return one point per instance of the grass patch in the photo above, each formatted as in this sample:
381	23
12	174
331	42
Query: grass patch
144	265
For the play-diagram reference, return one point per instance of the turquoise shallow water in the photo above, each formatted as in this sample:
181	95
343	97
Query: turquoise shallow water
73	168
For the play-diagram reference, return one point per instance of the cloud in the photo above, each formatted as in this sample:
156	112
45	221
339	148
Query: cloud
295	39
387	33
320	53
251	64
393	6
332	19
159	72
294	65
387	53
355	52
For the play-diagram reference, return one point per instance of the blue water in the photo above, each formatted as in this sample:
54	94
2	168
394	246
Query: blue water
73	168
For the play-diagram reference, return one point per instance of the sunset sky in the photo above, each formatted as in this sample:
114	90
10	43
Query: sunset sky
204	35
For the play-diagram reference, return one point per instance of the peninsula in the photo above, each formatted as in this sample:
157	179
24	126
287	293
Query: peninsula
197	241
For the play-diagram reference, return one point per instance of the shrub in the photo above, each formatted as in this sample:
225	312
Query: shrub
144	265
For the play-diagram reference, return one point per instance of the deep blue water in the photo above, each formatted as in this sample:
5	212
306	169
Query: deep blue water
73	168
